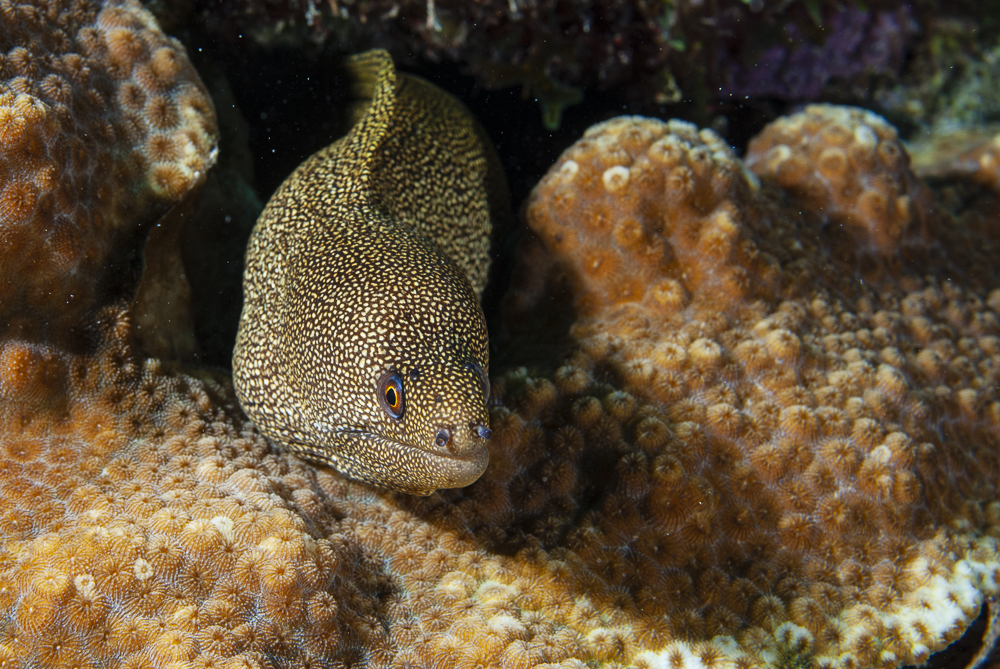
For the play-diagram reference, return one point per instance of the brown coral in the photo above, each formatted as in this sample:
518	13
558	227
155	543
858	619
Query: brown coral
847	165
814	466
89	97
684	230
981	164
146	523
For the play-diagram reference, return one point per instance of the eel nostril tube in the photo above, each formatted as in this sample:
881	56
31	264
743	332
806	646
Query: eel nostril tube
482	431
443	437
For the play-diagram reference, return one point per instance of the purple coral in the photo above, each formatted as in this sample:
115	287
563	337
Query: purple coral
857	43
542	42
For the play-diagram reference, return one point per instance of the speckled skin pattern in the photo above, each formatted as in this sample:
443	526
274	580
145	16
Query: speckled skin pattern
369	260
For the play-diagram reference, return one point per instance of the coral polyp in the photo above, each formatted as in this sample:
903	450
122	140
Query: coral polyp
82	87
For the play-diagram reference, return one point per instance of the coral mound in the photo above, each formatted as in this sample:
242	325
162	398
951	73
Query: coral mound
650	213
812	467
145	523
103	125
848	165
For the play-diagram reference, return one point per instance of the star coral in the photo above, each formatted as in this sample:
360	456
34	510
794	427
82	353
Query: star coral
696	232
146	523
849	164
815	457
103	125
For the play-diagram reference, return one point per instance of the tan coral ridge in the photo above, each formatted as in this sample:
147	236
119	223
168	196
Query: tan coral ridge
821	450
850	165
980	163
630	249
103	125
146	524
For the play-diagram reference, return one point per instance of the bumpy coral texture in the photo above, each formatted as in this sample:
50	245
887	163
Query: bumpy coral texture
146	524
849	165
103	125
628	248
813	476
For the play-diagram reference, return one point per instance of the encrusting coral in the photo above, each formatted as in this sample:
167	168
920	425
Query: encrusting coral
849	164
103	125
959	157
632	249
813	458
146	524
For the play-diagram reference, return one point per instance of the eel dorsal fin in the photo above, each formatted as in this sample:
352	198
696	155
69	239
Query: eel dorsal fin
373	87
424	159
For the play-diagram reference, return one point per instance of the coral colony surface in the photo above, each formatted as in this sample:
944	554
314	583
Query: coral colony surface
772	439
815	482
103	125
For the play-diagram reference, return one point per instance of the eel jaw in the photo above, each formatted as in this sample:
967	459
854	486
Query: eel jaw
388	463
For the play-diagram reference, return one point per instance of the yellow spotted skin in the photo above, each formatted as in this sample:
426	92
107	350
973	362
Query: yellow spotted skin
370	259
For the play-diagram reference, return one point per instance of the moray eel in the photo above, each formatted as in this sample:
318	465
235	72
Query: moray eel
362	343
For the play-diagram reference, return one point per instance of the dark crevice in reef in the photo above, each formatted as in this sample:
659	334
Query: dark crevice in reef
962	652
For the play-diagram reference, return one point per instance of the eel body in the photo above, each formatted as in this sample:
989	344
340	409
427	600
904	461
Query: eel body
362	343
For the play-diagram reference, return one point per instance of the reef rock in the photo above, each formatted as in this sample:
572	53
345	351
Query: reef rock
806	462
104	125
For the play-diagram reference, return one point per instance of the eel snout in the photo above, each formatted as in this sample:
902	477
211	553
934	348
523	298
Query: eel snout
421	471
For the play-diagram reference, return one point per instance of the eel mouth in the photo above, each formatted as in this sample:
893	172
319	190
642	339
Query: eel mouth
409	467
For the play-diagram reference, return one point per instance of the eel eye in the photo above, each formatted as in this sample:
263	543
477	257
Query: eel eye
483	379
390	394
